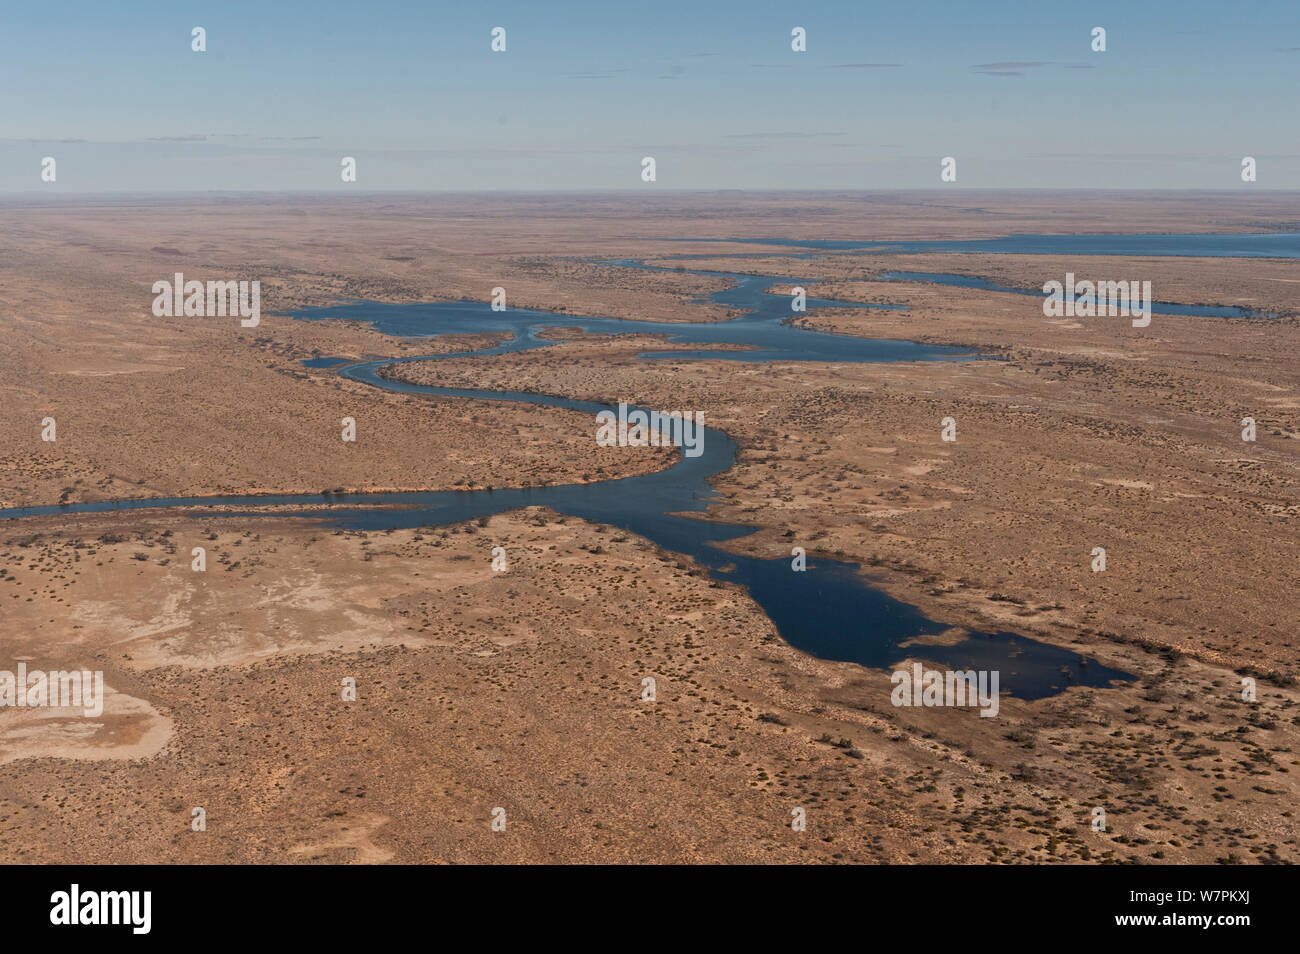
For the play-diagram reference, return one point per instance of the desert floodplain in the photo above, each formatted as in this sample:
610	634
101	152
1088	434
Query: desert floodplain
408	647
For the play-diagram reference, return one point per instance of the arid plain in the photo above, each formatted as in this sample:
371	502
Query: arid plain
522	689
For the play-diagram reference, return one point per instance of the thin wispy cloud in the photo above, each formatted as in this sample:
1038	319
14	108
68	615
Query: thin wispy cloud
864	66
782	135
210	138
1007	68
596	74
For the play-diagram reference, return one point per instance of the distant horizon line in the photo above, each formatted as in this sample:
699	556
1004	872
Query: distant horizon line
928	190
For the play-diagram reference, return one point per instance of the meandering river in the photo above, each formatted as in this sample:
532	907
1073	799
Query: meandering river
829	610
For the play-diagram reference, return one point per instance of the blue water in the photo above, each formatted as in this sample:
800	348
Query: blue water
1207	245
829	610
324	362
1158	308
763	328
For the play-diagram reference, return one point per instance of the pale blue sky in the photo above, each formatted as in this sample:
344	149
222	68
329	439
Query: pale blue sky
712	90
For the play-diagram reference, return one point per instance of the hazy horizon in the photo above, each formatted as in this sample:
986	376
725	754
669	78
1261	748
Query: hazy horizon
639	193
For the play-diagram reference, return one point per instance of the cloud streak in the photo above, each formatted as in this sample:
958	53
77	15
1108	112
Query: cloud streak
1007	67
